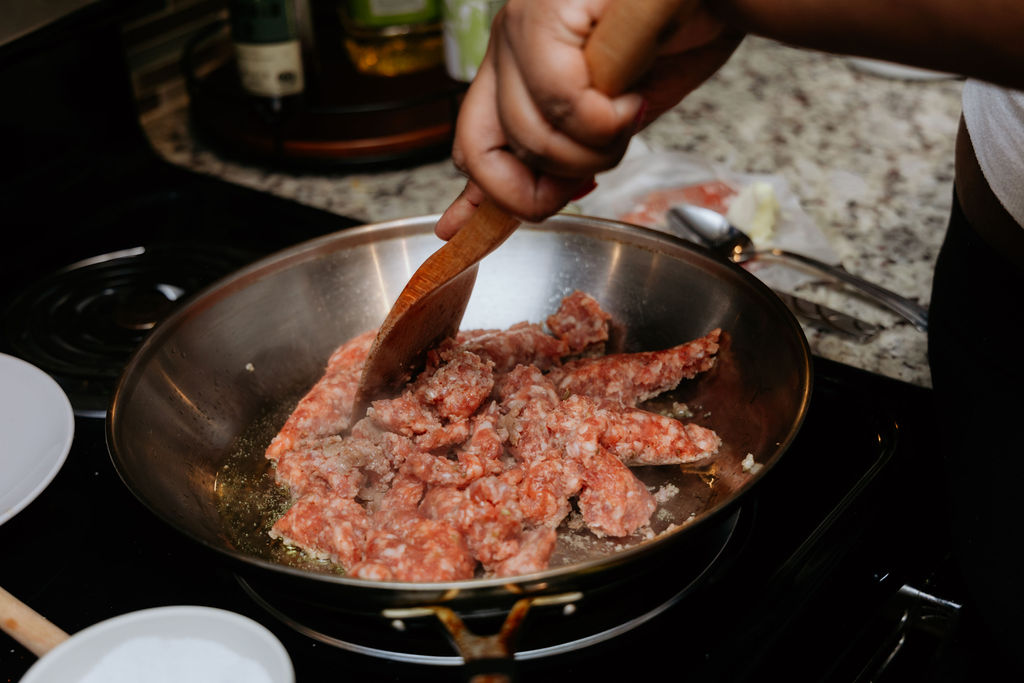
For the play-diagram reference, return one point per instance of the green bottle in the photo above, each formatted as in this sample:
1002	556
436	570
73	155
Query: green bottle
267	47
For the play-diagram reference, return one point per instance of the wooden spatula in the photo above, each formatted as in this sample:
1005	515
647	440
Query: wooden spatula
430	307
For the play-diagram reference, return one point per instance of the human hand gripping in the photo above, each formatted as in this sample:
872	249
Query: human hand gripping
534	128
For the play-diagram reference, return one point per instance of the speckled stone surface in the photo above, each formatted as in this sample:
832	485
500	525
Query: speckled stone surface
870	158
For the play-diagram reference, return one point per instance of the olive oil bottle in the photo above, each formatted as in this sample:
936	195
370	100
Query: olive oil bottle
392	37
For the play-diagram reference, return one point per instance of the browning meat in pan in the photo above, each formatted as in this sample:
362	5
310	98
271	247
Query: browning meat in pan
473	467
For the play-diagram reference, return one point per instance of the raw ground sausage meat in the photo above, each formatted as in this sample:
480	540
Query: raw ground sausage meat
473	467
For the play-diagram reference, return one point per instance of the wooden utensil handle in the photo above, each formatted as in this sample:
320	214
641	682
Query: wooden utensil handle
625	40
27	626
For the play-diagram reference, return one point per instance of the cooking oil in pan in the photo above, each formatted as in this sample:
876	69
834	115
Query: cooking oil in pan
250	501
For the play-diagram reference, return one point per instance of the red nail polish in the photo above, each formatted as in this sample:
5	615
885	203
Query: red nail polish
585	189
639	121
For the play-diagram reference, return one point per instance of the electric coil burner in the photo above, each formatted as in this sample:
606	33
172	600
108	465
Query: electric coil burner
81	323
827	574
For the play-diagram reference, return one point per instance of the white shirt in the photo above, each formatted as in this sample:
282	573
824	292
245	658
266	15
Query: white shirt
995	121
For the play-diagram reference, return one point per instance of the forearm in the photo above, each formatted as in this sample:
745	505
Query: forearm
981	38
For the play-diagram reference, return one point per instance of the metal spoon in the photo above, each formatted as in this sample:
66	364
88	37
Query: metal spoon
815	314
716	232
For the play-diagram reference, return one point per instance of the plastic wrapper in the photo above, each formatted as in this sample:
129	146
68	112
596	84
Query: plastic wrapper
641	188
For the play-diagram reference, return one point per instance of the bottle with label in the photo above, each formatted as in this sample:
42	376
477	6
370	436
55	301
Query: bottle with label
392	37
267	48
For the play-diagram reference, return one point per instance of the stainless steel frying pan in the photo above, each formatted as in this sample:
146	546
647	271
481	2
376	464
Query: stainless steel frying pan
199	401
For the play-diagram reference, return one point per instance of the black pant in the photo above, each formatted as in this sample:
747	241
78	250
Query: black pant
976	354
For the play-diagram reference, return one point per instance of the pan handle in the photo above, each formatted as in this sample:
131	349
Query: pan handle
489	658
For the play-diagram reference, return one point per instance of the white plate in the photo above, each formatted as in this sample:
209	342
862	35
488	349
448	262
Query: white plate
183	643
37	425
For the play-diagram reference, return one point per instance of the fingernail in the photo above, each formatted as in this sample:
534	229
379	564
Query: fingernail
641	114
585	189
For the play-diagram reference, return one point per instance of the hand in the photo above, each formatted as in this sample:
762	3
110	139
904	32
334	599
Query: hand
532	131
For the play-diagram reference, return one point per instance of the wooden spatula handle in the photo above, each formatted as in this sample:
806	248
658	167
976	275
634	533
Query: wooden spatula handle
625	40
27	626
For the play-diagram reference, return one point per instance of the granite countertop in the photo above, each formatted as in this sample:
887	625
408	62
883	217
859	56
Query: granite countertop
870	159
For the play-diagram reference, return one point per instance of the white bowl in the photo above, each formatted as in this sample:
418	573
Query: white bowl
163	644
